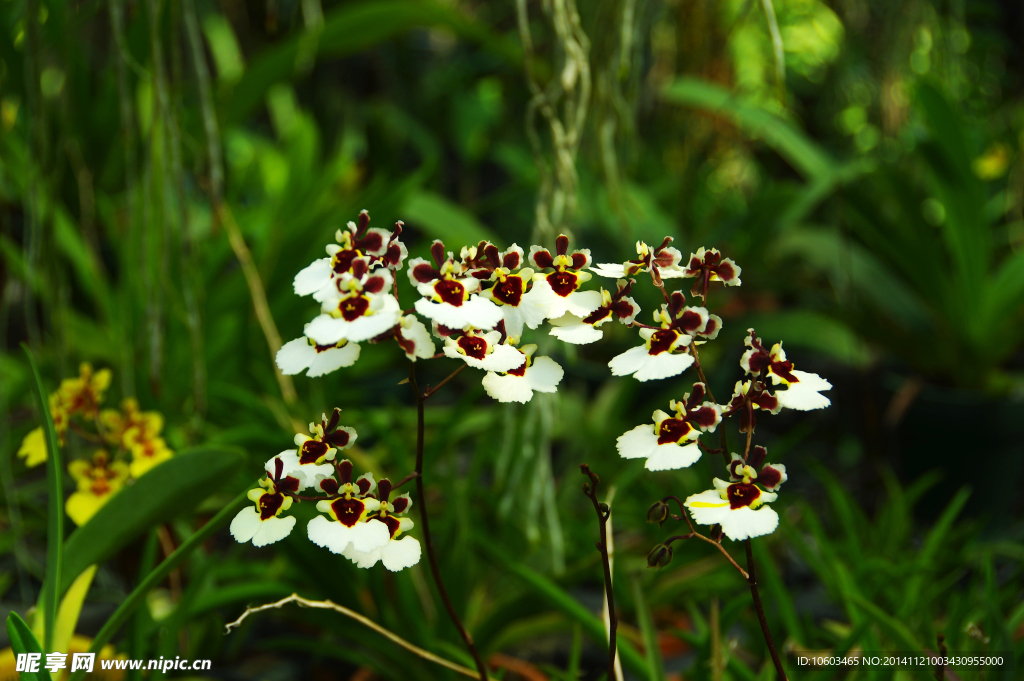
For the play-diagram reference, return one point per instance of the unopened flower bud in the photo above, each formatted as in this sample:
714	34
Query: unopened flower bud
658	512
660	556
716	533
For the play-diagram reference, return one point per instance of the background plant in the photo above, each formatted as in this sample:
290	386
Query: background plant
116	250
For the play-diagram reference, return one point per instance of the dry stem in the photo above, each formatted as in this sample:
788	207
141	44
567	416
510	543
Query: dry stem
330	605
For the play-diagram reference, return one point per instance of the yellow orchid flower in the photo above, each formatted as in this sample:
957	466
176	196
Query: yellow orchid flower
146	453
98	480
117	423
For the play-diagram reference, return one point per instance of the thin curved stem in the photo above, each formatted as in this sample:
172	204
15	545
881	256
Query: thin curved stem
330	605
707	387
694	534
430	391
590	490
752	581
421	499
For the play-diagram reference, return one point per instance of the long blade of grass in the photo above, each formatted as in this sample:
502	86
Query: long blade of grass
777	49
552	593
791	143
24	641
932	545
55	510
70	608
890	624
655	665
138	596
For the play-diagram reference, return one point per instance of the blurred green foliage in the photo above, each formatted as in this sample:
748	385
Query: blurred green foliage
868	176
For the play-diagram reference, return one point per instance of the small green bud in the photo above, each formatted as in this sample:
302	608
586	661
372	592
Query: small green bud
660	556
658	512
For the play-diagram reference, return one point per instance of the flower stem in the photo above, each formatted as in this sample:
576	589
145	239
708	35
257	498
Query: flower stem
752	581
590	489
330	605
421	499
430	391
707	387
694	534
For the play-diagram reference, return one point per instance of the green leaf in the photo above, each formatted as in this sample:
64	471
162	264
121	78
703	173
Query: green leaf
70	608
791	143
769	576
89	272
655	666
55	512
352	28
967	231
554	595
138	596
850	515
174	487
438	217
816	331
933	544
23	641
889	624
227	55
1001	308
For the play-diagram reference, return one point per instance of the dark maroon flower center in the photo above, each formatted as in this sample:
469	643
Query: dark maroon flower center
269	505
392	523
622	309
597	315
519	371
329	485
673	430
348	511
758	361
543	259
511	260
373	285
742	494
353	308
451	292
343	260
394	253
661	341
424	273
783	370
473	346
725	272
509	292
337	438
312	451
690	321
765	401
702	416
562	283
769	477
407	344
373	241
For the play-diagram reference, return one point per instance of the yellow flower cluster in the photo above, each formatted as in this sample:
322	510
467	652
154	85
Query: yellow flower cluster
78	644
128	431
137	432
79	396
